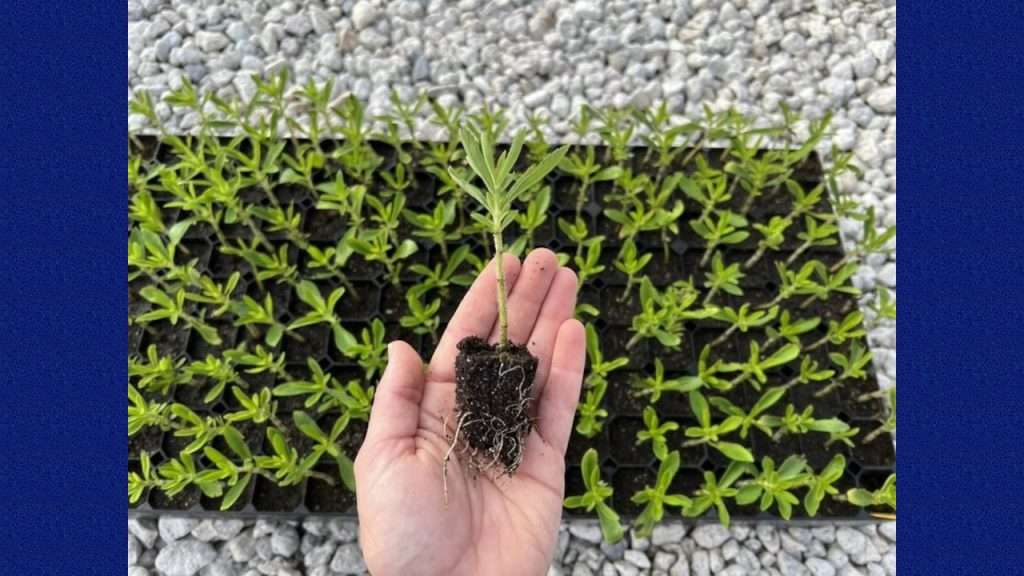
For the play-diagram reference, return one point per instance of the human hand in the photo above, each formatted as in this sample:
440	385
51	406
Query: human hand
490	525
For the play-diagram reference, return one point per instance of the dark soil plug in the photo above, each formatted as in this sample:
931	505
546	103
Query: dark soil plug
493	386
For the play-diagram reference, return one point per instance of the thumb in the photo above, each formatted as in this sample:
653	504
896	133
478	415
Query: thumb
396	403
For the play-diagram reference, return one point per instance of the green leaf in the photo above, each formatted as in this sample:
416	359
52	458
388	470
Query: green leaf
308	426
734	451
235	491
700	408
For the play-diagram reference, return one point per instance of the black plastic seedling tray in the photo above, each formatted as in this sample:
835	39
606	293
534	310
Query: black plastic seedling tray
626	466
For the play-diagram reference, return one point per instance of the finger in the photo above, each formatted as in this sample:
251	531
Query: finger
562	392
527	296
475	316
396	403
559	306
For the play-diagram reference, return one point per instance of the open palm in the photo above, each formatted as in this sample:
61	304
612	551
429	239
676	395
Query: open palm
490	524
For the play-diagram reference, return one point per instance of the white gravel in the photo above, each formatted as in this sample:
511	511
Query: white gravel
551	57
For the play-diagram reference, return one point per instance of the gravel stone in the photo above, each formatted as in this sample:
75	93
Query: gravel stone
851	541
137	571
614	551
587	532
211	41
242	547
134	549
826	534
145	531
364	14
680	568
212	530
620	568
184	557
700	563
638	559
284	541
668	533
883	100
888	529
820	567
664	560
172	528
348	560
768	537
790	566
710	535
298	25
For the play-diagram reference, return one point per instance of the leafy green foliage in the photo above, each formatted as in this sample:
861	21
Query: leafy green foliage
656	498
593	500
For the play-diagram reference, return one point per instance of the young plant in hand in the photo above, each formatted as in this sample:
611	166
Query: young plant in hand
495	381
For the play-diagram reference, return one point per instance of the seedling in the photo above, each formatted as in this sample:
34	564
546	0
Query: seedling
853	367
157	373
654	385
773	235
326	444
890	421
793	422
422	318
370	350
591	414
435	225
172	310
250	312
142	414
144	479
258	408
631	263
885	305
755	366
655	433
790	330
707	433
663	313
816	234
851	327
773	486
220	371
587	171
656	498
722	278
321	311
809	372
830	283
494	381
822	484
743	320
532	218
589	265
726	230
593	500
770	397
599	369
376	246
883	497
714	492
346	200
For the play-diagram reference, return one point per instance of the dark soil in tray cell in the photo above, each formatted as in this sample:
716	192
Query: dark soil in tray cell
618	312
169	340
681	358
590	294
692	456
199	231
624	449
832	508
574	485
611	275
193	393
762	446
214	504
565	191
252	433
296	439
198	251
773	202
314	342
579	445
393	331
735	349
392	300
826	255
352	438
199	349
613	345
803	395
662	271
290	193
187	499
880	451
450	301
323	497
224	265
687	480
761	274
135	334
148	439
675	405
327	226
269	497
848	397
626	482
357	268
818	456
620	397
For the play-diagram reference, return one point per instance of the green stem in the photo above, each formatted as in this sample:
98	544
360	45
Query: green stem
499	250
